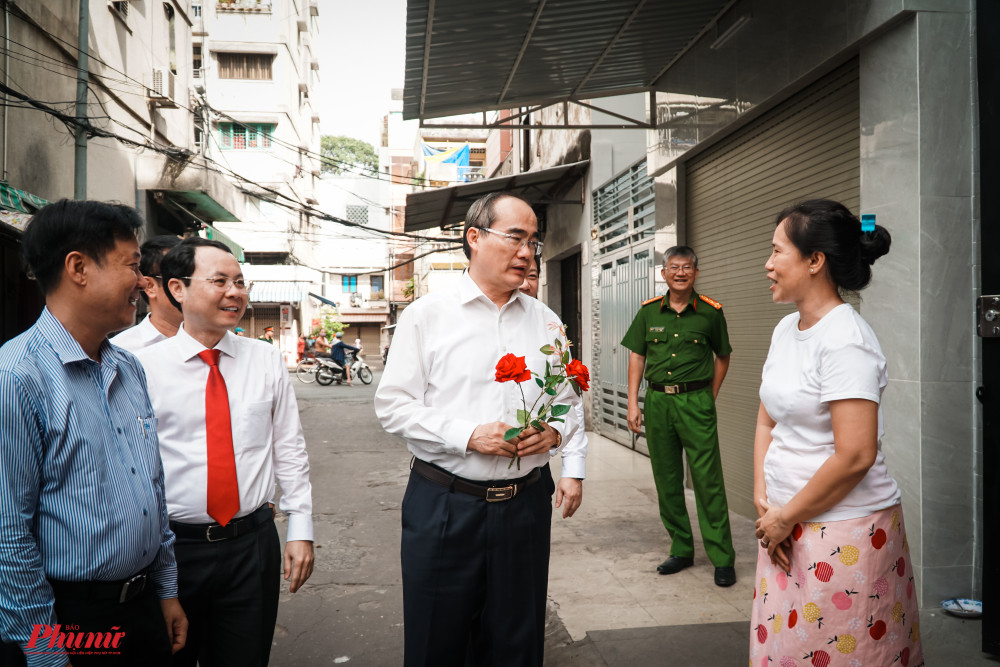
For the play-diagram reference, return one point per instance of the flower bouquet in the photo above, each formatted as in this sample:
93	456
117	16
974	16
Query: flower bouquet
512	368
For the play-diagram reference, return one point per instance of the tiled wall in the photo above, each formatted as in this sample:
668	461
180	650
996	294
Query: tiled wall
916	176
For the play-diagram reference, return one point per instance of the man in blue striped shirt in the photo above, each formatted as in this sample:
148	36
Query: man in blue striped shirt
87	569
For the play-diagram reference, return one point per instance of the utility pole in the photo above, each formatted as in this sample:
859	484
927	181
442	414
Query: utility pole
82	63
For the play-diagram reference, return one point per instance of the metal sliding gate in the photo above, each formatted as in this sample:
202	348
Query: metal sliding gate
625	221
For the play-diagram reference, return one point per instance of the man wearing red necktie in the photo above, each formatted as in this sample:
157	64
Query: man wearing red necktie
228	429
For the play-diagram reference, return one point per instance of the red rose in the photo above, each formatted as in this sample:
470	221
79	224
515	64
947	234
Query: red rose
576	371
512	368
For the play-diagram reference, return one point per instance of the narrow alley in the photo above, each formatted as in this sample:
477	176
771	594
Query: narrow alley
607	605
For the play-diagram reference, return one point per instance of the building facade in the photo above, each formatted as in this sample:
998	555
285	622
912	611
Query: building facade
140	117
353	258
256	75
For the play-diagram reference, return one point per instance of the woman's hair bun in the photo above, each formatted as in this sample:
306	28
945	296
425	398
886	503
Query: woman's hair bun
823	225
875	244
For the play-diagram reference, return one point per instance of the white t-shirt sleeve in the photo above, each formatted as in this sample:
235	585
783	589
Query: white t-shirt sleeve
852	370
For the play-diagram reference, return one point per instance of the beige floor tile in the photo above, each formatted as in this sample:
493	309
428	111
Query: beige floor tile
603	575
588	617
689	614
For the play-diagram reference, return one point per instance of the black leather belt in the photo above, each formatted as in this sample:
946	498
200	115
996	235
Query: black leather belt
680	387
492	491
115	591
214	532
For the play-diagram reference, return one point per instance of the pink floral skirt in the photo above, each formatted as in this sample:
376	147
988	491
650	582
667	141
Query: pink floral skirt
849	600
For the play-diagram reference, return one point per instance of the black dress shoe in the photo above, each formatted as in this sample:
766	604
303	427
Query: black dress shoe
725	576
674	564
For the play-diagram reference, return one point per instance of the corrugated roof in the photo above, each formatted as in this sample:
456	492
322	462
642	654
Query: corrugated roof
12	199
215	234
448	206
501	55
278	291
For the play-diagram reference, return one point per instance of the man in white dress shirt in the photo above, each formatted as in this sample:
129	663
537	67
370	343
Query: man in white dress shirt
220	476
476	529
164	318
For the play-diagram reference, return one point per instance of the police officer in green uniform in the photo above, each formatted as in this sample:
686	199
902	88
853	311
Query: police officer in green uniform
683	337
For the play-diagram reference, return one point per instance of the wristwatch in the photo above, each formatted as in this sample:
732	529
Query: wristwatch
558	440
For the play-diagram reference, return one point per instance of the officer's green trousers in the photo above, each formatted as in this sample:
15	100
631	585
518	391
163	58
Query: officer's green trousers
687	422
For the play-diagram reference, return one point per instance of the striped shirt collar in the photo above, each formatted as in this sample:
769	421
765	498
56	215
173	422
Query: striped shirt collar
67	348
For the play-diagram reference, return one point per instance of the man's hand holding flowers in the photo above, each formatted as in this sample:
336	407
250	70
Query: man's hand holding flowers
532	435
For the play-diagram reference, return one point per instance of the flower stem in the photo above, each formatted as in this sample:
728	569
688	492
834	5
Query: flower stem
524	402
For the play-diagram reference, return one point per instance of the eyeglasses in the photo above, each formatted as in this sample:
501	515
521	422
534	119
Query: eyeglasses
515	240
673	268
223	284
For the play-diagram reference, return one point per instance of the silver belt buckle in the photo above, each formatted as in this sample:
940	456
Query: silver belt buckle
138	580
671	389
496	494
208	533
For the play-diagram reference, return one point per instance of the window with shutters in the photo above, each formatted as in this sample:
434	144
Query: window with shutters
196	61
357	214
624	210
250	66
120	9
245	136
349	283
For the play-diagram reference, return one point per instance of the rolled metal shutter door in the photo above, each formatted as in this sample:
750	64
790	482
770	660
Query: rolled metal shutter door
805	148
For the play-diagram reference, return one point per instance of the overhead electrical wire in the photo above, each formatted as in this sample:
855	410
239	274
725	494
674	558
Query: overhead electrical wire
373	174
376	271
184	155
178	154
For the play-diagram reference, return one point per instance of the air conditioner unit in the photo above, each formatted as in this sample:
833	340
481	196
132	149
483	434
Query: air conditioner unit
161	87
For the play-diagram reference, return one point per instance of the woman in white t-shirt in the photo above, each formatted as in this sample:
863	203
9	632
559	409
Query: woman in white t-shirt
834	578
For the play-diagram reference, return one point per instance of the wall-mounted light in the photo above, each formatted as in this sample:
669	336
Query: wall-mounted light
722	37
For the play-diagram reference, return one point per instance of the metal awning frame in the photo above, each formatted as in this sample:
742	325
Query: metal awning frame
508	122
542	187
721	23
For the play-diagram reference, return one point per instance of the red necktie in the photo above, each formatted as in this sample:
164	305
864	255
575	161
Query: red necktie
223	490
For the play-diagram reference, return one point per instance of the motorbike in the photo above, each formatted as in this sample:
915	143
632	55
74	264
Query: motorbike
329	371
326	371
323	370
361	370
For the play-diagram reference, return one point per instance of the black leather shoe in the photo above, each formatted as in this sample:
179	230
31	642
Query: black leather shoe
674	564
725	576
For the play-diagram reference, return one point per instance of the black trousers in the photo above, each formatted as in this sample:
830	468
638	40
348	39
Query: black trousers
229	591
144	639
475	576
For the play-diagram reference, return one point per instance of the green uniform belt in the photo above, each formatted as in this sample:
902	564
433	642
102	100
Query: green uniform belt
680	387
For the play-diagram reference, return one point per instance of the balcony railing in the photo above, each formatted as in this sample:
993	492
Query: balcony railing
243	5
471	173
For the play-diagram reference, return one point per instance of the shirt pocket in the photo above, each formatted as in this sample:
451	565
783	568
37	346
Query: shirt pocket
146	442
695	339
657	337
255	425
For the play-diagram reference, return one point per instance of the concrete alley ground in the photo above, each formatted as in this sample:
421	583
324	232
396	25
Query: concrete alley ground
607	605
